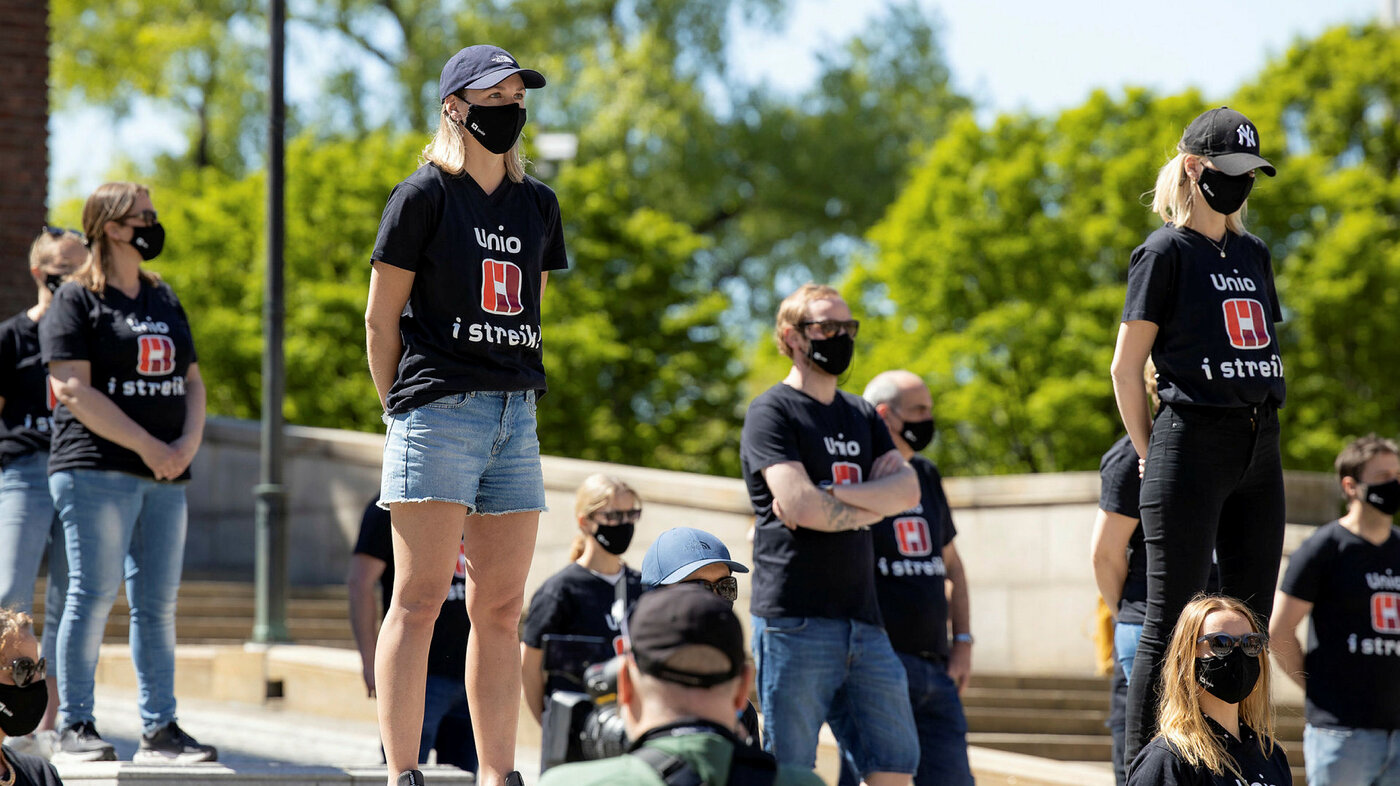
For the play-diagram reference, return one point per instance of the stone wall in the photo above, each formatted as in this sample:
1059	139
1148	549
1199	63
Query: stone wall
1024	539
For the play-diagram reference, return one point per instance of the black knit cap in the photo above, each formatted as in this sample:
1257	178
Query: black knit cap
671	618
1228	139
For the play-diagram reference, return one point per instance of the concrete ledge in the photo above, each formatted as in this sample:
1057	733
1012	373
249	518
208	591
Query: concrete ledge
125	773
995	768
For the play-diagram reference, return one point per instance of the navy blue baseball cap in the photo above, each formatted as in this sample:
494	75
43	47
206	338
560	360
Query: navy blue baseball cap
681	551
482	66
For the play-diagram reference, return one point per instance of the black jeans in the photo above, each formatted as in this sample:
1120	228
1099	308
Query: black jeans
1214	480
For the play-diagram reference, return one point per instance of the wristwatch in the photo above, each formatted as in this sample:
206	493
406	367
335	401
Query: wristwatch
962	637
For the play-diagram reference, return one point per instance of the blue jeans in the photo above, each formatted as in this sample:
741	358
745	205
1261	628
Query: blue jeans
119	526
28	526
1125	644
447	724
942	727
844	672
1351	757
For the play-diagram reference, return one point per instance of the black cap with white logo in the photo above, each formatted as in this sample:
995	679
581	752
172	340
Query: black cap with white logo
1228	139
482	66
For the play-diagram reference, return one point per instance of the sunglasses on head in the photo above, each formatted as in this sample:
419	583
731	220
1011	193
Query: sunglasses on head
27	671
58	232
727	587
830	328
1222	643
612	518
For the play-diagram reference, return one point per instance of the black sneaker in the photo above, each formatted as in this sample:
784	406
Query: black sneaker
80	742
410	778
513	779
171	745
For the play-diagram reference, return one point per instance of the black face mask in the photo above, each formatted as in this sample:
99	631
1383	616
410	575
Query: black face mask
52	281
1225	193
495	127
1384	497
1231	678
832	355
148	240
918	433
616	538
22	708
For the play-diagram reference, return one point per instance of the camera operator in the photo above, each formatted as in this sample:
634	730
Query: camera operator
682	683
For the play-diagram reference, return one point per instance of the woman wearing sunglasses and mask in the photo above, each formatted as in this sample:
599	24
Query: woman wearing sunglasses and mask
24	698
1201	303
574	618
464	251
28	525
1216	716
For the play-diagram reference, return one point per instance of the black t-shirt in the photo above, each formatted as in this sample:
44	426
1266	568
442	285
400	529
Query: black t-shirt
32	770
804	572
472	321
24	384
1158	764
578	602
447	653
1353	659
909	573
1118	493
139	349
1215	341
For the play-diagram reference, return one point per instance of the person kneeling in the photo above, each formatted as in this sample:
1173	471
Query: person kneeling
684	680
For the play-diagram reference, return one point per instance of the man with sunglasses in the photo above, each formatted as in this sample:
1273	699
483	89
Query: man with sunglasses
920	583
821	469
1346	578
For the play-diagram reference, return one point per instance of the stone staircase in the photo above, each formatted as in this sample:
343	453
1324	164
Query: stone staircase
1051	717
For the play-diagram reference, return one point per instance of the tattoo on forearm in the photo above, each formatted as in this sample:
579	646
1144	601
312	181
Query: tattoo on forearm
841	516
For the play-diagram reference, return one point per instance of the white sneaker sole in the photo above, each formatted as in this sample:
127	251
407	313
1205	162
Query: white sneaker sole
158	757
61	756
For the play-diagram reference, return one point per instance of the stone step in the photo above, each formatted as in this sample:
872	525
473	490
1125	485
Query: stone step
1035	699
1064	747
1041	682
1018	720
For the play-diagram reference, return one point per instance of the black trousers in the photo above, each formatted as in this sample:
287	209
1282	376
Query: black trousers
1214	480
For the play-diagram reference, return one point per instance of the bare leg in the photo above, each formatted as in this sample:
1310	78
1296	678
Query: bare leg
499	549
889	779
426	538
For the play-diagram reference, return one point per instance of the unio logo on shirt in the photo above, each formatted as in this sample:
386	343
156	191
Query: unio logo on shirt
912	536
156	356
500	287
1246	324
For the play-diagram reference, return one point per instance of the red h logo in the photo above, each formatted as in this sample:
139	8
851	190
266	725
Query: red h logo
844	473
912	536
1246	324
500	287
157	356
1385	612
50	400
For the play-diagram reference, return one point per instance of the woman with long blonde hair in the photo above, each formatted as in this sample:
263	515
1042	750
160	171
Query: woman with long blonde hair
464	251
574	618
1216	715
1201	303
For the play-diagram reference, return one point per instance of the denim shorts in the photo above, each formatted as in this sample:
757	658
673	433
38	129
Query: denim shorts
478	450
839	671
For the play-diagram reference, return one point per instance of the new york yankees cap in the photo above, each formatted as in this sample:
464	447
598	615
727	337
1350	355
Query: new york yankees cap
668	621
1228	139
482	66
679	552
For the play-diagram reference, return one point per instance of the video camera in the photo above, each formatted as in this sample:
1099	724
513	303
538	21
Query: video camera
581	725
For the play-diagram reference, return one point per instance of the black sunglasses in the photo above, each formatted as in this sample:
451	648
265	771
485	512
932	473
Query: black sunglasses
830	328
149	216
727	587
612	518
57	232
26	671
1222	643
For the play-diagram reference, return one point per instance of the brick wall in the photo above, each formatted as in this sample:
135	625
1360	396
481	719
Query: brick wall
24	160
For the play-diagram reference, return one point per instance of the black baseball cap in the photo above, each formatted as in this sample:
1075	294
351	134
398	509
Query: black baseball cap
481	66
1228	139
677	616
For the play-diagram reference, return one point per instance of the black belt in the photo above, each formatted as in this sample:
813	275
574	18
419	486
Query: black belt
937	659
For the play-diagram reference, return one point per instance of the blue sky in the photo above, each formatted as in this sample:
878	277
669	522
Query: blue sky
1010	55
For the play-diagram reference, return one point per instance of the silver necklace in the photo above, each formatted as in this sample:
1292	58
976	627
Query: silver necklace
1218	247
